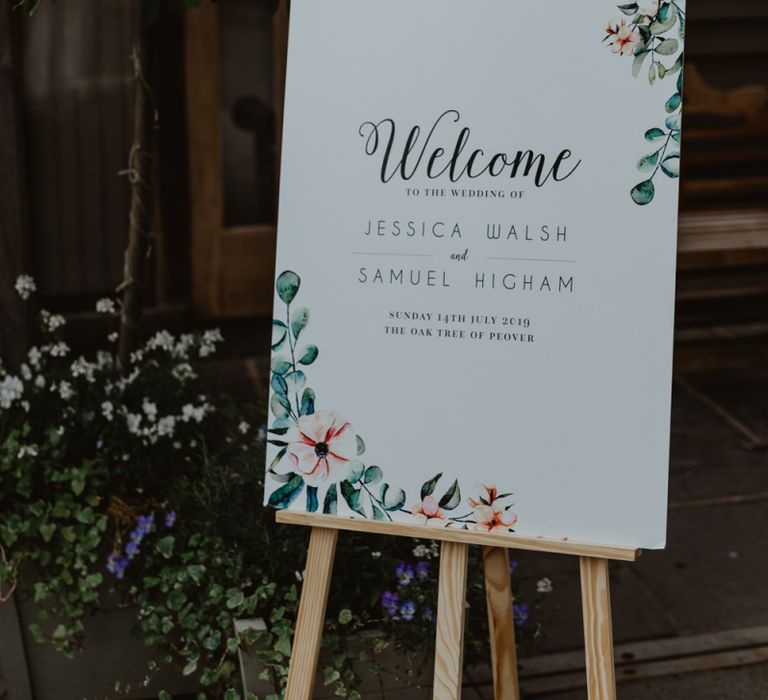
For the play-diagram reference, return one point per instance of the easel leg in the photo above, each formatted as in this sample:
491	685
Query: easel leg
309	625
451	601
498	594
598	629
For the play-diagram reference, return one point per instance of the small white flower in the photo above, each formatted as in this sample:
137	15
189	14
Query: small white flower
183	372
112	337
107	410
421	551
51	322
375	555
25	406
299	575
34	356
25	450
544	586
150	408
162	340
40	381
65	391
25	285
26	372
11	389
177	445
166	426
133	421
105	306
82	368
243	427
58	350
208	342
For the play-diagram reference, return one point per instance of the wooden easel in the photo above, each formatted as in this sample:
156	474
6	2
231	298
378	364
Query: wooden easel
595	596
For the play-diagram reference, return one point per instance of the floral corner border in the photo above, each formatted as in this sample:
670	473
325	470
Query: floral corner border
655	30
320	455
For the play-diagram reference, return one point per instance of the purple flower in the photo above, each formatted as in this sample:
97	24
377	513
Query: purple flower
389	602
520	613
170	519
117	564
408	610
512	566
99	444
132	549
422	570
404	573
427	614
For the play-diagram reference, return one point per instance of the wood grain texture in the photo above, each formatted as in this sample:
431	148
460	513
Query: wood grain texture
451	604
512	541
309	624
598	630
498	595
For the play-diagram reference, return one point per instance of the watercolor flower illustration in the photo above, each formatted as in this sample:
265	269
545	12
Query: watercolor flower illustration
653	35
321	444
320	456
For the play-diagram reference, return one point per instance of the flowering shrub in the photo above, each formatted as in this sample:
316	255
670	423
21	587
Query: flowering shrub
147	485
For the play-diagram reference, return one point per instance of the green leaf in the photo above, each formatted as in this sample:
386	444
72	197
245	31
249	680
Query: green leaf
299	321
428	487
280	405
378	513
235	598
312	503
189	668
165	546
295	381
671	166
643	193
648	162
287	285
308	355
637	63
360	445
452	497
278	384
392	497
654	134
331	500
661	27
345	616
283	646
668	47
176	599
286	494
372	475
629	9
307	407
279	334
281	365
47	530
352	497
673	102
652	73
676	136
355	471
664	12
673	122
78	482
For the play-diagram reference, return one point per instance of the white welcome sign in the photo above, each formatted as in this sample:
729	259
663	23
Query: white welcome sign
476	265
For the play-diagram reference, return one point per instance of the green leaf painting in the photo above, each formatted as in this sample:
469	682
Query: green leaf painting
652	32
321	460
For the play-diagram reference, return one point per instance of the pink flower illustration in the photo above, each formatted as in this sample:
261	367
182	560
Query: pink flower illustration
626	41
321	446
490	519
429	511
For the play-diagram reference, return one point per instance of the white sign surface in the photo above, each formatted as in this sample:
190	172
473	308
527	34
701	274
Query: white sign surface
476	265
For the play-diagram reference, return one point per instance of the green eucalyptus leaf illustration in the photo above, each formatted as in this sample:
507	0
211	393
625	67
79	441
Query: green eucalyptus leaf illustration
355	471
280	406
278	431
287	493
652	73
360	445
392	497
676	136
680	83
654	134
671	166
673	122
662	71
637	64
279	334
307	407
308	355
295	381
312	503
352	497
280	364
378	513
676	66
661	27
428	487
668	47
673	102
643	193
452	497
331	500
299	321
664	12
648	162
288	286
372	475
629	9
278	384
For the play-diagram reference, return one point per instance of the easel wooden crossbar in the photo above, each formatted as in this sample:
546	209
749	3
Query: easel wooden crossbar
595	593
